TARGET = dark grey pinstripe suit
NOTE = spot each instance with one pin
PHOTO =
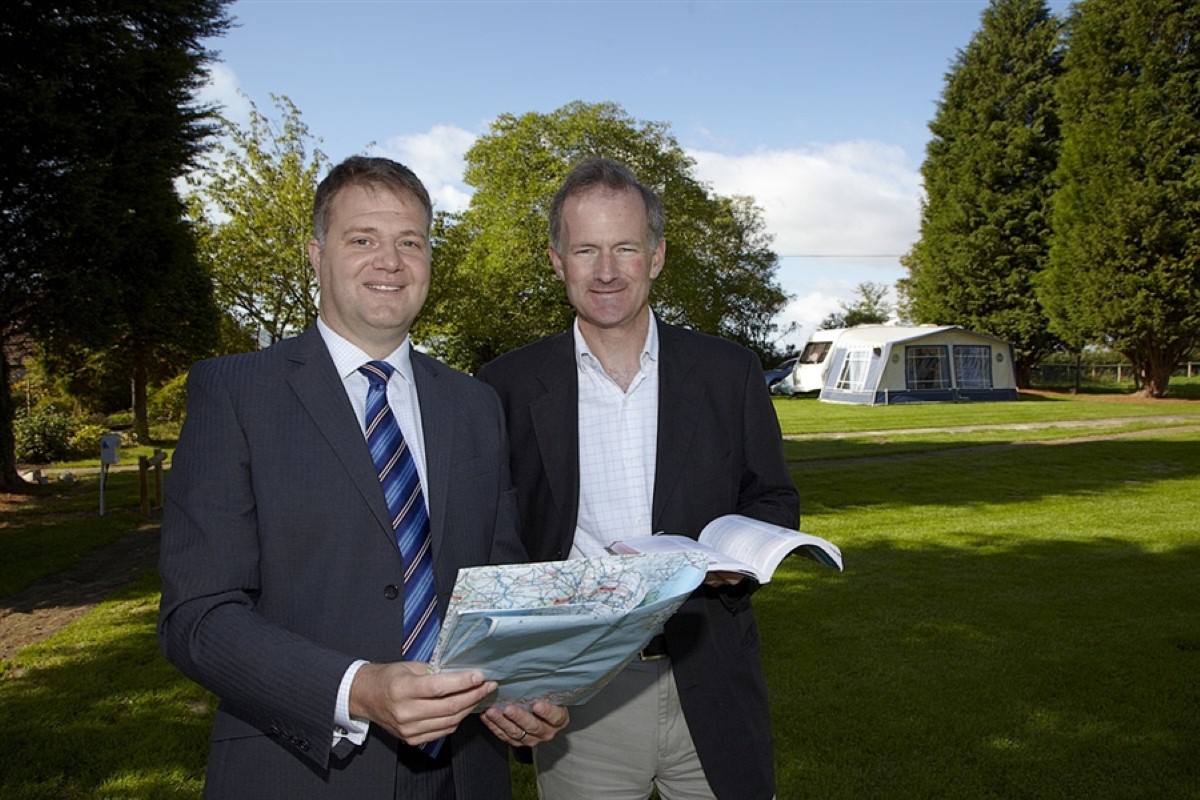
(279, 567)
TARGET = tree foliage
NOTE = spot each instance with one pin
(1125, 266)
(871, 308)
(98, 122)
(162, 319)
(985, 226)
(494, 288)
(252, 204)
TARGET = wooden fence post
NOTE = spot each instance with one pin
(144, 483)
(159, 457)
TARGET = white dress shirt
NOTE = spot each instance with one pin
(402, 397)
(618, 441)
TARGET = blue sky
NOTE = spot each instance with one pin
(817, 108)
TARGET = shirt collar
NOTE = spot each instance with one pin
(583, 353)
(348, 357)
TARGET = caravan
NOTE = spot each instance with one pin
(808, 375)
(890, 364)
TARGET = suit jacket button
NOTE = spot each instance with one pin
(391, 591)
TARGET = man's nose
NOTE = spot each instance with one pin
(387, 258)
(606, 267)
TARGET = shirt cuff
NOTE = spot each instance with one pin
(346, 727)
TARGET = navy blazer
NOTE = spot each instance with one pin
(279, 566)
(719, 452)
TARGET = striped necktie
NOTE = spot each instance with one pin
(410, 519)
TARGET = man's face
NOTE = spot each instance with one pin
(374, 266)
(606, 259)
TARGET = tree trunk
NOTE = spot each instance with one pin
(141, 421)
(1153, 375)
(1023, 372)
(9, 479)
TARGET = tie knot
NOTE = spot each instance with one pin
(377, 372)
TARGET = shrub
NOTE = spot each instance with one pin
(42, 436)
(169, 402)
(120, 419)
(85, 441)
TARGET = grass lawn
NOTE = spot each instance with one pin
(96, 712)
(58, 523)
(1014, 626)
(807, 416)
(1013, 622)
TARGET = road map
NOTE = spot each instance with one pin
(560, 630)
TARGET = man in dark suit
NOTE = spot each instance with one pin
(284, 587)
(625, 426)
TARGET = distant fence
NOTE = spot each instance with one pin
(1058, 374)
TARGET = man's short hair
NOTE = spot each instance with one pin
(598, 172)
(367, 171)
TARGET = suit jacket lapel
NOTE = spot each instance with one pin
(555, 416)
(678, 416)
(319, 388)
(437, 426)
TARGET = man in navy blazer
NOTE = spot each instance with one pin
(626, 426)
(283, 585)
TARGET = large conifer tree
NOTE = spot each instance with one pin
(98, 123)
(985, 221)
(1125, 266)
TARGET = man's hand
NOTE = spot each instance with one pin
(412, 705)
(524, 728)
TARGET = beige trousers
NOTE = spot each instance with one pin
(626, 740)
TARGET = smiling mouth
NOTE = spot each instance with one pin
(382, 287)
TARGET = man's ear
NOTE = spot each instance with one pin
(658, 258)
(314, 257)
(556, 260)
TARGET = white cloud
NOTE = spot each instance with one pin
(807, 311)
(437, 158)
(847, 198)
(851, 199)
(223, 90)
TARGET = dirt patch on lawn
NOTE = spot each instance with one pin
(48, 606)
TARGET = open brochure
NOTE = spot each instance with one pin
(560, 630)
(734, 543)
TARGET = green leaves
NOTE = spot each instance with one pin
(253, 206)
(984, 225)
(1084, 235)
(494, 288)
(1125, 265)
(96, 261)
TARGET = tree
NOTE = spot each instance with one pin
(99, 122)
(1125, 266)
(494, 287)
(252, 203)
(871, 308)
(162, 319)
(985, 226)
